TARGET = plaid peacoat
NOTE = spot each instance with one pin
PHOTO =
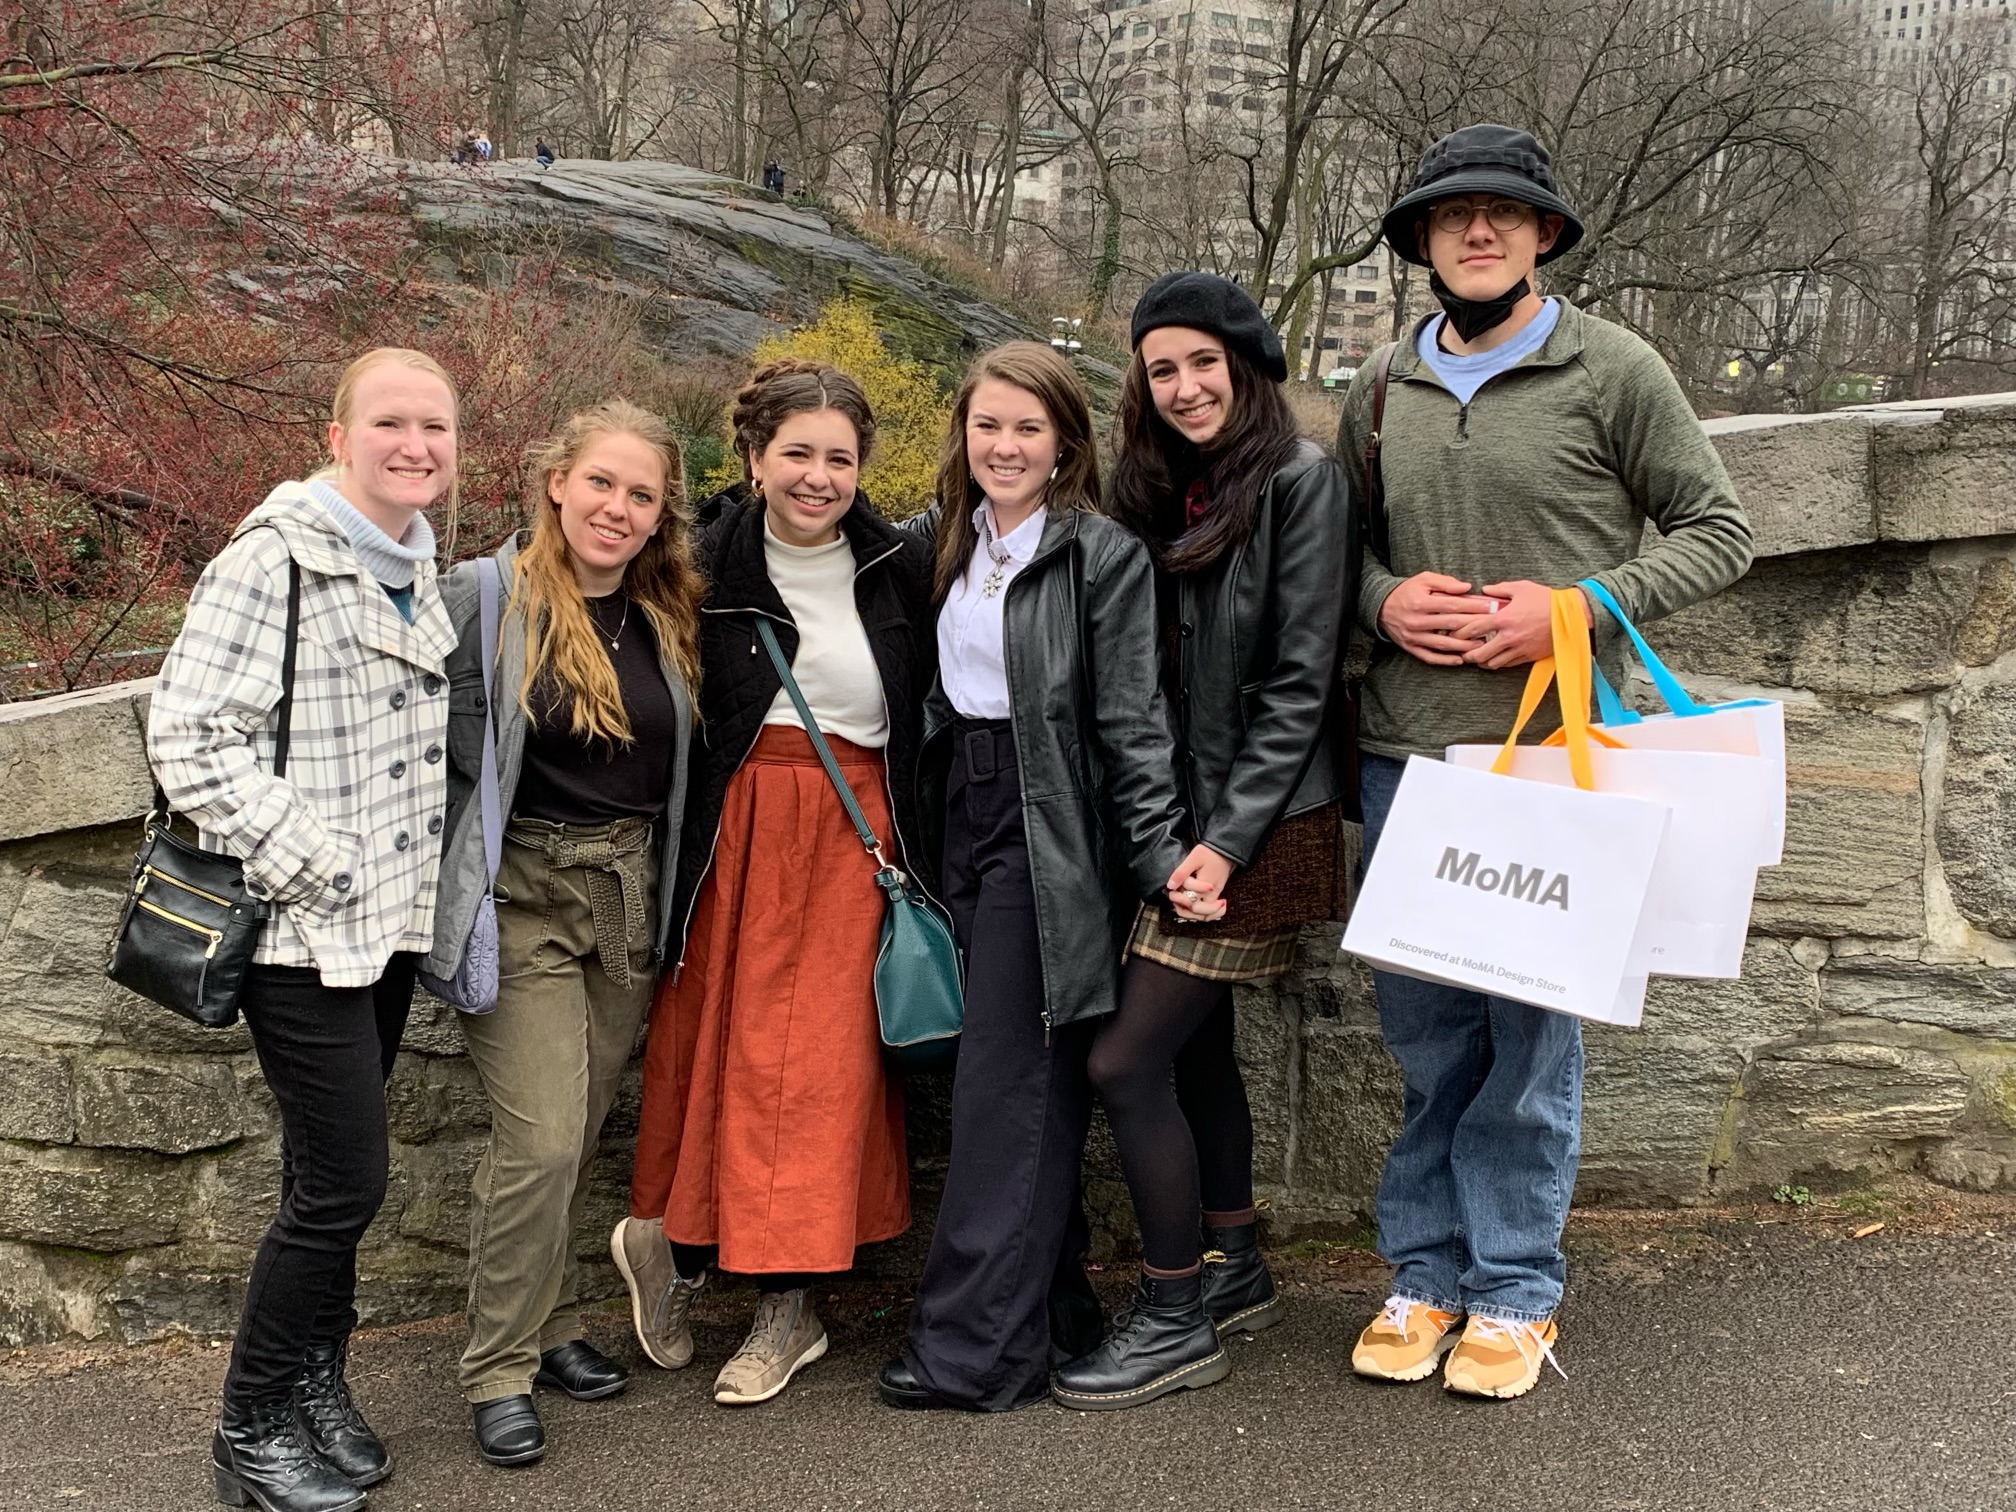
(348, 844)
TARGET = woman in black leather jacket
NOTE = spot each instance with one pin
(1250, 527)
(1046, 755)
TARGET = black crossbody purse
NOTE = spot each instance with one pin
(189, 929)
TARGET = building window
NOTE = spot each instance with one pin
(1218, 74)
(1362, 320)
(1161, 49)
(1225, 20)
(1365, 296)
(1142, 28)
(1220, 45)
(1251, 102)
(1256, 50)
(1368, 270)
(1259, 24)
(1214, 98)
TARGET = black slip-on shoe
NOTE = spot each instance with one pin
(582, 1371)
(509, 1432)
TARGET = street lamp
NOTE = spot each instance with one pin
(1064, 334)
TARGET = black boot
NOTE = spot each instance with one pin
(334, 1425)
(261, 1457)
(1163, 1343)
(1076, 1319)
(582, 1371)
(1239, 1293)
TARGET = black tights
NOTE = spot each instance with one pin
(1164, 1067)
(691, 1259)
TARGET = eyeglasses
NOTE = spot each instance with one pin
(1455, 216)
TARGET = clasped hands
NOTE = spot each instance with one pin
(1196, 885)
(1445, 622)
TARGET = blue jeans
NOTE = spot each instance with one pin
(1477, 1186)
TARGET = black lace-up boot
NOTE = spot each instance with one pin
(1163, 1343)
(261, 1457)
(335, 1427)
(1239, 1292)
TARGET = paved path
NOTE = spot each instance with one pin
(1717, 1364)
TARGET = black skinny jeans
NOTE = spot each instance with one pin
(325, 1053)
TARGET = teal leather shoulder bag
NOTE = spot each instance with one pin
(919, 994)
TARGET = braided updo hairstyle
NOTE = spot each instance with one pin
(792, 386)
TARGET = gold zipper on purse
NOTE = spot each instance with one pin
(155, 871)
(216, 936)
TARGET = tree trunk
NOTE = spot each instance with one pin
(1011, 151)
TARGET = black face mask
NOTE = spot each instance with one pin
(1473, 317)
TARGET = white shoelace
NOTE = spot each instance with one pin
(1395, 1314)
(1497, 1330)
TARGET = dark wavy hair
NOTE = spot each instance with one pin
(1156, 465)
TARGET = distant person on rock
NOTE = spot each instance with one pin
(1525, 445)
(482, 149)
(543, 154)
(342, 847)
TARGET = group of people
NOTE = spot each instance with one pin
(1097, 718)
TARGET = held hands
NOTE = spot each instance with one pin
(1436, 618)
(1522, 631)
(1194, 887)
(1440, 620)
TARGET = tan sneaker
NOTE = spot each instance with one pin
(1500, 1358)
(661, 1300)
(786, 1336)
(1405, 1342)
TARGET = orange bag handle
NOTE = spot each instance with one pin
(1570, 667)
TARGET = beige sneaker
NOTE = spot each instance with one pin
(661, 1300)
(786, 1336)
(1500, 1358)
(1405, 1342)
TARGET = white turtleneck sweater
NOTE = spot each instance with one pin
(834, 668)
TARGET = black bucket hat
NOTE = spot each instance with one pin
(1482, 159)
(1206, 302)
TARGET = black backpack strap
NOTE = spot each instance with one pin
(283, 735)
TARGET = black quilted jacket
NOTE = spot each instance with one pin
(892, 588)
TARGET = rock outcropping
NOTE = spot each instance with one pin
(722, 263)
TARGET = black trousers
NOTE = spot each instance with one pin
(1011, 1222)
(325, 1053)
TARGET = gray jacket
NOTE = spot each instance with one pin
(462, 859)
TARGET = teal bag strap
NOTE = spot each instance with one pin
(1663, 680)
(886, 874)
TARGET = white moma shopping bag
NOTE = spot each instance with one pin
(1697, 904)
(1748, 727)
(1519, 889)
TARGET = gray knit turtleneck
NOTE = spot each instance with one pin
(391, 562)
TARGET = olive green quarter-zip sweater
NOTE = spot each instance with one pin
(1548, 474)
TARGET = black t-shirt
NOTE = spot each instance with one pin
(568, 780)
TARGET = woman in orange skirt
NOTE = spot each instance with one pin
(771, 1142)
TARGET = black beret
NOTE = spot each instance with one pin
(1206, 302)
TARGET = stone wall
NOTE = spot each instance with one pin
(1874, 1029)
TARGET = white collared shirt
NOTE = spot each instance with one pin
(971, 657)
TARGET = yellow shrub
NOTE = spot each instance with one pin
(910, 412)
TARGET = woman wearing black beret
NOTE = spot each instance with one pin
(1250, 528)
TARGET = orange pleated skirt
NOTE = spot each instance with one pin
(770, 1125)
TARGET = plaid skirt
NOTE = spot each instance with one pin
(1215, 958)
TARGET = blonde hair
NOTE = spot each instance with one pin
(344, 406)
(663, 580)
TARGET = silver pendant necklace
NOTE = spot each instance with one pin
(990, 586)
(616, 640)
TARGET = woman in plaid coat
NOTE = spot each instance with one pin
(346, 849)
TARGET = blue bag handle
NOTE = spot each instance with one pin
(1668, 686)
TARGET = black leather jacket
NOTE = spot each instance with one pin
(1259, 635)
(892, 589)
(1092, 738)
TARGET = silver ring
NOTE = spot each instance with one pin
(1193, 895)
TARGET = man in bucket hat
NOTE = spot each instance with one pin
(1524, 444)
